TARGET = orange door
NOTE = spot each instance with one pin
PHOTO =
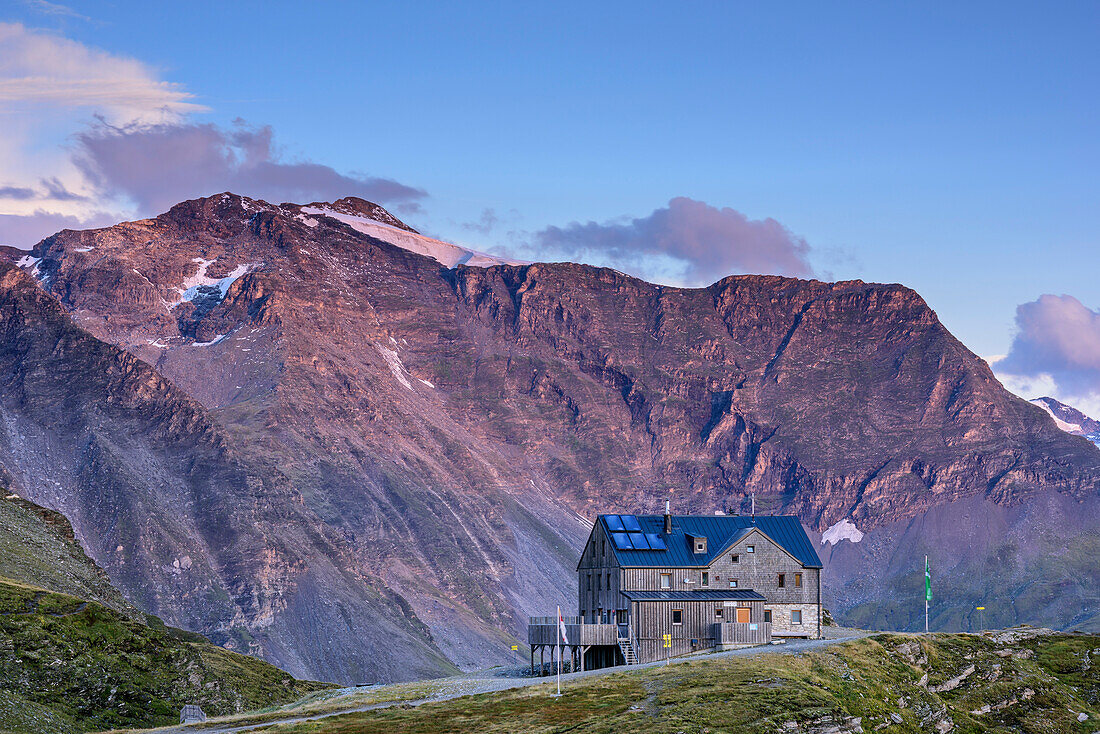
(743, 614)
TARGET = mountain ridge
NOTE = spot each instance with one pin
(450, 430)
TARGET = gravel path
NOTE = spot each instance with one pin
(497, 679)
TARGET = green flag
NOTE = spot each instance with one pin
(927, 582)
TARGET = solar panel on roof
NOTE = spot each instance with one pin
(630, 522)
(614, 523)
(622, 541)
(656, 542)
(638, 540)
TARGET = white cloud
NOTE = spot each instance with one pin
(39, 69)
(1055, 352)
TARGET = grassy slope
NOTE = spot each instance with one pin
(38, 547)
(75, 655)
(1037, 685)
(71, 665)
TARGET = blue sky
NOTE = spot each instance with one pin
(949, 148)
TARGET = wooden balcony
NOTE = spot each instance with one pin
(742, 633)
(544, 631)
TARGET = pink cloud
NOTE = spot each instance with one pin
(1057, 336)
(703, 242)
(157, 166)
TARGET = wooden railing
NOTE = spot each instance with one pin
(544, 631)
(742, 633)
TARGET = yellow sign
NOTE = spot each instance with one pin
(515, 647)
(981, 609)
(668, 640)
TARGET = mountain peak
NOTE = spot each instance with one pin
(1070, 419)
(356, 207)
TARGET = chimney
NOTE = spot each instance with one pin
(668, 519)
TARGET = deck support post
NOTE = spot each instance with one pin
(542, 659)
(584, 651)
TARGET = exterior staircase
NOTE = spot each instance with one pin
(627, 647)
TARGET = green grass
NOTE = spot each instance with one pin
(71, 665)
(1032, 686)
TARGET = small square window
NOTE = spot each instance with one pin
(750, 549)
(677, 616)
(796, 616)
(718, 612)
(735, 558)
(705, 579)
(666, 581)
(733, 583)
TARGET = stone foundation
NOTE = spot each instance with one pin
(781, 620)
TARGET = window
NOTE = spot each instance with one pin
(735, 558)
(798, 580)
(700, 545)
(733, 583)
(768, 615)
(666, 581)
(677, 616)
(782, 580)
(706, 579)
(750, 548)
(796, 616)
(718, 613)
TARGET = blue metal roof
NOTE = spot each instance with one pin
(721, 531)
(709, 595)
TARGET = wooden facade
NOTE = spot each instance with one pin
(702, 581)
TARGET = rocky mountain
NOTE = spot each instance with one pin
(1070, 420)
(373, 455)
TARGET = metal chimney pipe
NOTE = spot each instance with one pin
(668, 518)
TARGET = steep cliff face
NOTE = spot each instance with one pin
(179, 519)
(447, 430)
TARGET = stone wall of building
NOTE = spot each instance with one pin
(781, 620)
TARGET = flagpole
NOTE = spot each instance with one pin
(559, 650)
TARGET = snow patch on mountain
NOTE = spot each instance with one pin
(200, 284)
(395, 365)
(1074, 428)
(210, 343)
(446, 253)
(843, 530)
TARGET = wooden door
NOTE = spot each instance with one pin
(743, 614)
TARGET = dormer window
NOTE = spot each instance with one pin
(700, 545)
